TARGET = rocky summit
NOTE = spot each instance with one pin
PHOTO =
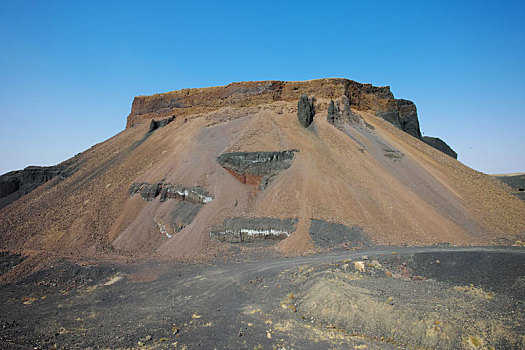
(286, 166)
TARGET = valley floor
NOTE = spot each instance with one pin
(381, 298)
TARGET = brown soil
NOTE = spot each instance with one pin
(247, 179)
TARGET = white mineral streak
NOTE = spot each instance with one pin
(206, 199)
(270, 232)
(184, 193)
(162, 228)
(200, 198)
(252, 233)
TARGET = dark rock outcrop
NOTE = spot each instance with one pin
(403, 115)
(340, 112)
(517, 183)
(328, 234)
(333, 116)
(150, 191)
(252, 93)
(191, 199)
(440, 145)
(18, 183)
(305, 110)
(256, 167)
(378, 100)
(156, 124)
(242, 230)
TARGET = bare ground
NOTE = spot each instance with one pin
(383, 298)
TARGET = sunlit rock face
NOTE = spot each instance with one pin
(243, 230)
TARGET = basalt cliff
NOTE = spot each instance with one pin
(292, 166)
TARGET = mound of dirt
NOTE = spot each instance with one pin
(232, 152)
(433, 300)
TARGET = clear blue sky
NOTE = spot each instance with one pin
(69, 69)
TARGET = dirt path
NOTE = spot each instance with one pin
(435, 297)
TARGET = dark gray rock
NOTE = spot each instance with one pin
(305, 110)
(18, 183)
(403, 115)
(333, 116)
(156, 124)
(517, 183)
(265, 164)
(150, 191)
(191, 199)
(243, 230)
(408, 117)
(440, 145)
(340, 112)
(328, 234)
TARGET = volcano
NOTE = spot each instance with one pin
(295, 167)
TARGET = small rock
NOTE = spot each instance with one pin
(359, 266)
(140, 344)
(148, 337)
(376, 264)
(364, 257)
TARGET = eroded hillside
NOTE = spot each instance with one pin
(235, 167)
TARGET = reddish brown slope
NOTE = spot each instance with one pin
(341, 176)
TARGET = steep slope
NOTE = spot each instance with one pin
(240, 168)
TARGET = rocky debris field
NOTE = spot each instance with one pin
(382, 298)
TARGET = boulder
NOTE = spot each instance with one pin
(305, 110)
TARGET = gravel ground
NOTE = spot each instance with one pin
(386, 298)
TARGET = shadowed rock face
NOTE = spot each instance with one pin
(261, 165)
(305, 110)
(517, 183)
(340, 112)
(156, 124)
(440, 145)
(241, 230)
(333, 115)
(150, 191)
(402, 114)
(15, 184)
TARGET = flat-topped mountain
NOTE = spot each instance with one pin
(291, 166)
